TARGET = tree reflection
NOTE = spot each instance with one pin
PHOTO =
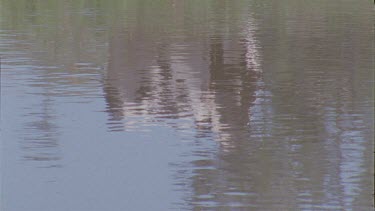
(211, 79)
(275, 121)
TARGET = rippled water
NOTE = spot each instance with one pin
(187, 105)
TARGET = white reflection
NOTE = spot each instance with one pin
(252, 53)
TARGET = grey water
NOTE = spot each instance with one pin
(187, 105)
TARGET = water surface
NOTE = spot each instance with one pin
(187, 105)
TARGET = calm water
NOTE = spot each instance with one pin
(187, 105)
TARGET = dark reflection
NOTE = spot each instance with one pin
(165, 74)
(41, 138)
(319, 106)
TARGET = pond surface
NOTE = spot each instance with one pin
(187, 105)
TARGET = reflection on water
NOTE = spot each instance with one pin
(214, 105)
(211, 81)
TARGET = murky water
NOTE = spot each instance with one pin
(187, 105)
